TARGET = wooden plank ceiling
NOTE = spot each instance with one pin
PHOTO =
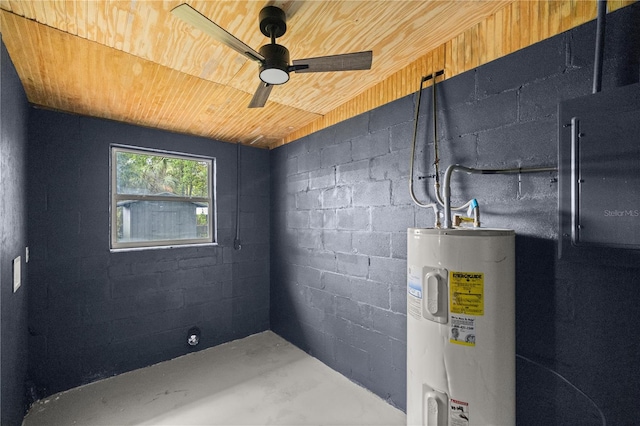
(133, 61)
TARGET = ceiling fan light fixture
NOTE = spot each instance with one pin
(274, 76)
(275, 67)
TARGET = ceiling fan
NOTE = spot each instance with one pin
(273, 58)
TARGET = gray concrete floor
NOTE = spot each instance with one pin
(259, 380)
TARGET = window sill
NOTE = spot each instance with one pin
(176, 246)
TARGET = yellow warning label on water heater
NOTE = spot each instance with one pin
(466, 293)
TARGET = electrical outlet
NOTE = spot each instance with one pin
(17, 275)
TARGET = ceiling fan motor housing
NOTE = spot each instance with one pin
(273, 22)
(275, 68)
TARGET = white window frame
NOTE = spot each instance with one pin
(115, 198)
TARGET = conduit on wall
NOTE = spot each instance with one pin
(237, 244)
(443, 200)
(599, 53)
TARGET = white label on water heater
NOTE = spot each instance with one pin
(462, 330)
(414, 292)
(414, 282)
(458, 413)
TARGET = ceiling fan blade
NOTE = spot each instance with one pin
(346, 62)
(201, 22)
(261, 95)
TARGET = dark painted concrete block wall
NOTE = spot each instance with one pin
(340, 209)
(93, 313)
(13, 240)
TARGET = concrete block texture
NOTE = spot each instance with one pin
(371, 145)
(502, 114)
(339, 196)
(372, 193)
(323, 178)
(308, 161)
(353, 172)
(334, 155)
(354, 219)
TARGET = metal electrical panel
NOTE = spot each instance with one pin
(599, 159)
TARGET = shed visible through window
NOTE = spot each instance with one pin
(161, 199)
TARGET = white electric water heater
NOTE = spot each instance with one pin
(460, 327)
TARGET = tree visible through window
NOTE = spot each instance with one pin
(160, 199)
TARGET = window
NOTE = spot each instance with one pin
(161, 199)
